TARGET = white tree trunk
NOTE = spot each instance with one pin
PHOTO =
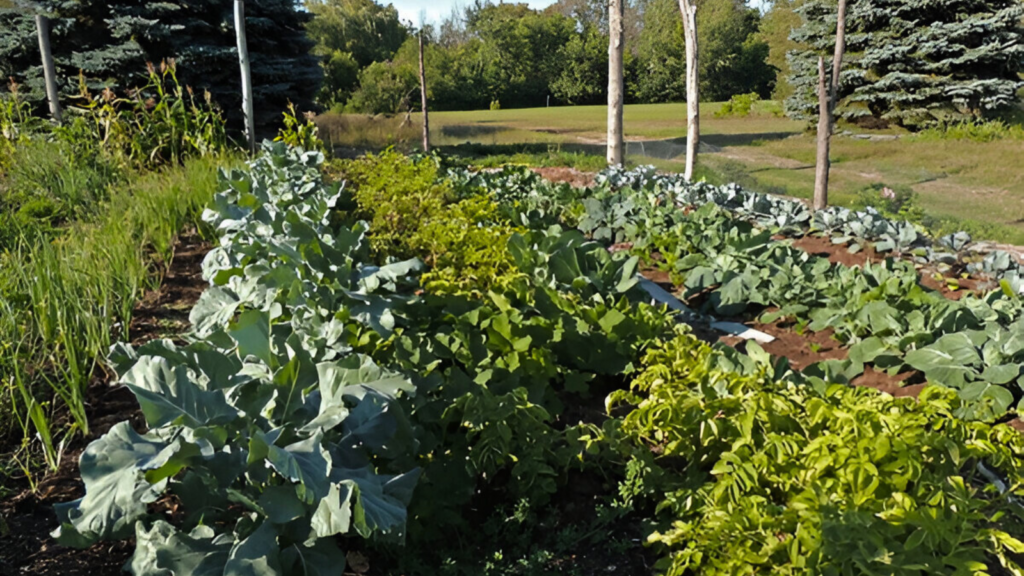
(616, 50)
(837, 61)
(824, 135)
(688, 10)
(49, 71)
(243, 60)
(828, 99)
(423, 97)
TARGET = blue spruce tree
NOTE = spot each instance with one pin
(913, 63)
(110, 42)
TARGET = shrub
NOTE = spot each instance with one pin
(763, 474)
(740, 105)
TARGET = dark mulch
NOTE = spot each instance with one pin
(802, 349)
(837, 253)
(28, 518)
(899, 385)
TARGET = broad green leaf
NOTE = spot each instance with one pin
(867, 350)
(281, 504)
(167, 395)
(381, 501)
(116, 494)
(322, 559)
(1002, 374)
(252, 333)
(257, 555)
(334, 513)
(214, 310)
(304, 462)
(162, 550)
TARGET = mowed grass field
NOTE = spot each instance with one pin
(978, 183)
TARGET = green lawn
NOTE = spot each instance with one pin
(979, 183)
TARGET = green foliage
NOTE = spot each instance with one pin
(740, 105)
(763, 475)
(491, 53)
(913, 64)
(66, 294)
(289, 417)
(385, 88)
(299, 134)
(776, 26)
(989, 131)
(398, 197)
(732, 57)
(59, 173)
(717, 245)
(351, 35)
(273, 440)
(16, 124)
(466, 248)
(584, 78)
(159, 123)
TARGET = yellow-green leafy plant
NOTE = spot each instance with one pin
(466, 248)
(761, 475)
(397, 196)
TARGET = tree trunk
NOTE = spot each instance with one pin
(837, 61)
(688, 11)
(828, 99)
(616, 49)
(49, 71)
(243, 60)
(423, 97)
(824, 134)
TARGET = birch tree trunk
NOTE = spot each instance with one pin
(824, 135)
(828, 98)
(243, 61)
(688, 10)
(616, 49)
(49, 71)
(837, 61)
(423, 97)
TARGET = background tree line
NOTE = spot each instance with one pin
(910, 63)
(514, 56)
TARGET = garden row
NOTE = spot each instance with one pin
(724, 248)
(89, 213)
(425, 357)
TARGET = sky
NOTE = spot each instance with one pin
(438, 9)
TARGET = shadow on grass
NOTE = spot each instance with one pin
(755, 139)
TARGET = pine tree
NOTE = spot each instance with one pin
(914, 63)
(110, 42)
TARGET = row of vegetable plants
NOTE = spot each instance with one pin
(721, 245)
(402, 356)
(322, 388)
